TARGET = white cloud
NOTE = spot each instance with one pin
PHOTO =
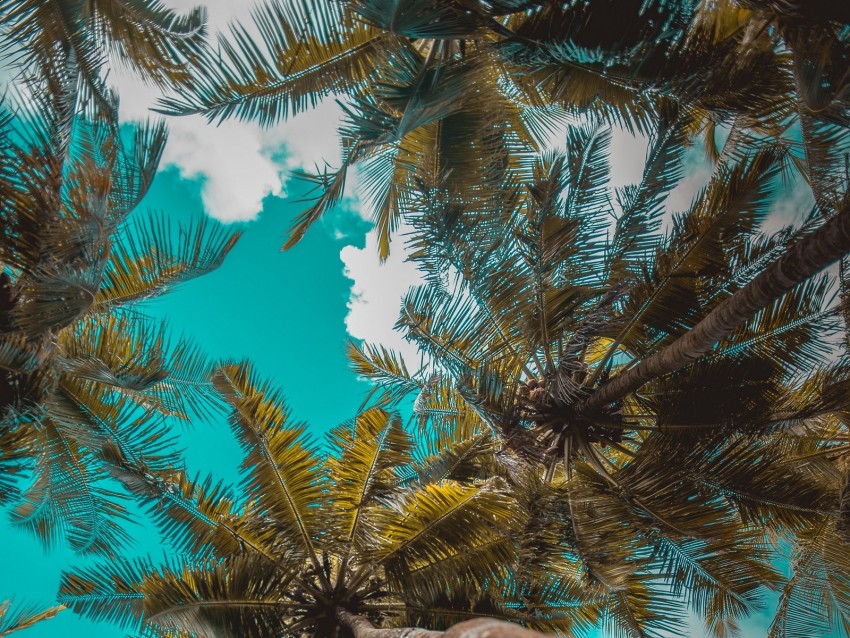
(236, 169)
(373, 307)
(238, 163)
(628, 156)
(311, 138)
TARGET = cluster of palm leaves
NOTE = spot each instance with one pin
(468, 88)
(625, 413)
(376, 526)
(80, 365)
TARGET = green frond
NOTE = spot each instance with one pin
(138, 359)
(150, 38)
(17, 617)
(67, 498)
(115, 420)
(306, 51)
(150, 256)
(721, 578)
(437, 519)
(283, 470)
(383, 367)
(639, 611)
(365, 474)
(425, 19)
(110, 593)
(144, 35)
(825, 145)
(199, 517)
(699, 246)
(230, 598)
(55, 297)
(467, 572)
(461, 460)
(635, 234)
(814, 600)
(16, 444)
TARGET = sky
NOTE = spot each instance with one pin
(290, 312)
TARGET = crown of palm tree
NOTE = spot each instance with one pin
(370, 533)
(79, 364)
(537, 305)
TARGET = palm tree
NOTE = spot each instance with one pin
(80, 364)
(144, 35)
(813, 37)
(584, 337)
(471, 88)
(360, 541)
(14, 619)
(816, 34)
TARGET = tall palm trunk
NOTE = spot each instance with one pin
(807, 257)
(477, 628)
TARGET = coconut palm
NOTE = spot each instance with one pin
(16, 618)
(359, 541)
(815, 37)
(145, 35)
(818, 35)
(472, 87)
(662, 370)
(80, 364)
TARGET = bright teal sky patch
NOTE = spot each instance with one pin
(284, 311)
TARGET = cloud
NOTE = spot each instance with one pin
(238, 163)
(628, 156)
(376, 293)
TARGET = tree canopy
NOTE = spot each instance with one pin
(624, 414)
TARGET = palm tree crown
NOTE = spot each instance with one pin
(79, 364)
(545, 299)
(372, 533)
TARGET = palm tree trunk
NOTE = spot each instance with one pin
(478, 628)
(807, 257)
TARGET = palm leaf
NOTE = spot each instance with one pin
(365, 472)
(306, 50)
(20, 617)
(283, 471)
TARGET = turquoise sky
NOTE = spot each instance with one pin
(285, 311)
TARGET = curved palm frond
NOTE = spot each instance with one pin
(18, 617)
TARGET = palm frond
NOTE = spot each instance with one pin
(383, 367)
(237, 595)
(108, 593)
(306, 51)
(283, 470)
(18, 617)
(435, 520)
(68, 497)
(814, 598)
(150, 257)
(371, 451)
